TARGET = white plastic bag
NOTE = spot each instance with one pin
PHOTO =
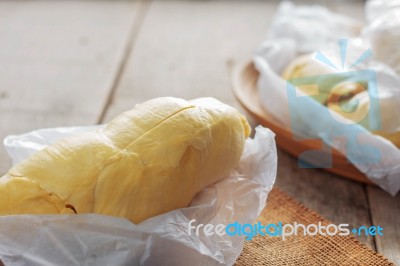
(377, 8)
(375, 156)
(91, 239)
(304, 23)
(383, 31)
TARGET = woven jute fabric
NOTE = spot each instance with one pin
(302, 250)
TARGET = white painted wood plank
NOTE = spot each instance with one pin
(58, 60)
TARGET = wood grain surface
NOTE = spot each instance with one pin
(82, 62)
(58, 60)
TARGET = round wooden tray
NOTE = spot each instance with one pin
(245, 90)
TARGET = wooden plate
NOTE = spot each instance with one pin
(245, 90)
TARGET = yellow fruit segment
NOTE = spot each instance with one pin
(343, 94)
(147, 161)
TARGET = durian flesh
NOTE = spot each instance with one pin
(346, 95)
(147, 161)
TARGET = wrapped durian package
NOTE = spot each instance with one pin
(331, 85)
(127, 192)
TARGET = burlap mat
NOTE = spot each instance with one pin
(303, 250)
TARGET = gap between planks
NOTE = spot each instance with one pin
(365, 186)
(143, 7)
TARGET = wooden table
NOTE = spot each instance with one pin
(65, 63)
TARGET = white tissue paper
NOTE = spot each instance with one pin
(375, 156)
(92, 239)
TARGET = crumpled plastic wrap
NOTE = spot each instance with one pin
(377, 8)
(383, 31)
(304, 23)
(92, 239)
(375, 156)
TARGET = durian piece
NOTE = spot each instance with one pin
(345, 94)
(351, 101)
(306, 66)
(146, 161)
(326, 82)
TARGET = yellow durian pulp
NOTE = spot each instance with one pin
(344, 94)
(146, 161)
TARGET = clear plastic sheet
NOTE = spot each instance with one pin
(375, 156)
(91, 239)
